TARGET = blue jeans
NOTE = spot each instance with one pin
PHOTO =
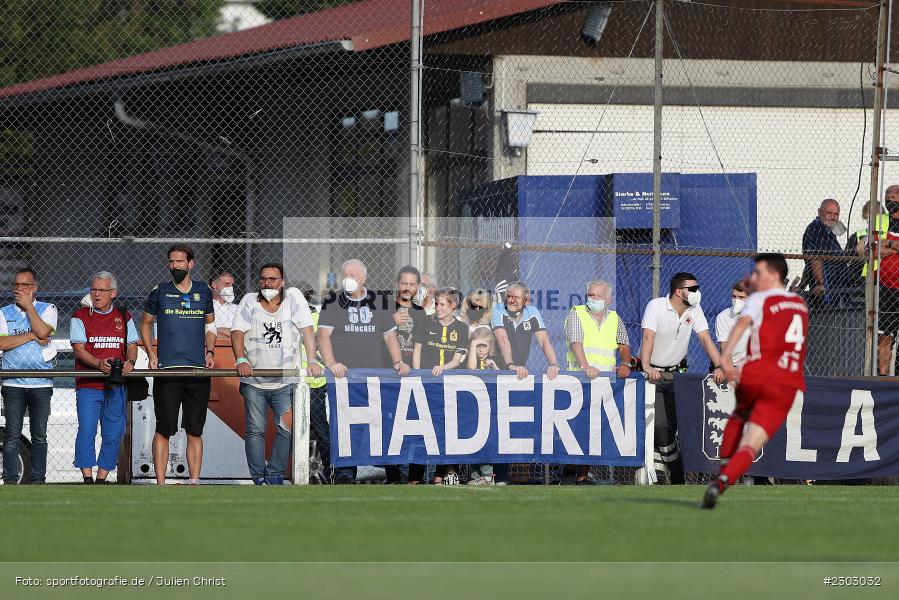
(108, 408)
(256, 402)
(15, 401)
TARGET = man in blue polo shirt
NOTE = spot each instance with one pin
(515, 324)
(185, 337)
(25, 329)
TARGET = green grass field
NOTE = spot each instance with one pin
(396, 524)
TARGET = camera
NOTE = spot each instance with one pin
(115, 373)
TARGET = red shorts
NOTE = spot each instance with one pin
(765, 404)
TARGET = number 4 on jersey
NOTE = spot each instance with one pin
(795, 333)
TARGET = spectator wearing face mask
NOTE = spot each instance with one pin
(357, 331)
(595, 334)
(886, 246)
(726, 320)
(223, 302)
(667, 324)
(476, 310)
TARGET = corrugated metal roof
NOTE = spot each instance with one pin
(365, 25)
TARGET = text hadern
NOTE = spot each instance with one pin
(600, 401)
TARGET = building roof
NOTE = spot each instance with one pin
(360, 26)
(364, 25)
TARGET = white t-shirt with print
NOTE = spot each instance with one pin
(272, 340)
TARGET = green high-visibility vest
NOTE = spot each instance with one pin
(600, 343)
(313, 382)
(881, 226)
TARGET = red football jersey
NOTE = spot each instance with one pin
(778, 341)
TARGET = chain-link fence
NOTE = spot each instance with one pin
(256, 130)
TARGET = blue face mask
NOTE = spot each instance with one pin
(596, 305)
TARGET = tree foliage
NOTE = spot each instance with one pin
(45, 37)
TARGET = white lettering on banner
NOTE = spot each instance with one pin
(358, 415)
(795, 451)
(557, 420)
(623, 427)
(452, 386)
(600, 390)
(506, 414)
(861, 404)
(411, 388)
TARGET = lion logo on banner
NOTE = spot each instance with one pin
(718, 402)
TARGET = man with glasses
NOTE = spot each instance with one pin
(186, 339)
(667, 324)
(25, 331)
(267, 332)
(100, 334)
(515, 323)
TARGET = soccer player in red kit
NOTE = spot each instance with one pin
(772, 375)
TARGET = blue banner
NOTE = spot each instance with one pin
(378, 418)
(839, 429)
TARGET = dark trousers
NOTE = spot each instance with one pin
(319, 425)
(666, 429)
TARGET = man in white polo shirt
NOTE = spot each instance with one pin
(667, 323)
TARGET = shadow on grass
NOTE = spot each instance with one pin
(674, 502)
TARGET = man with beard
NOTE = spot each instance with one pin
(186, 337)
(820, 239)
(267, 332)
(406, 314)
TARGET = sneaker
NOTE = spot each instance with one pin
(481, 481)
(710, 498)
(259, 481)
(275, 480)
(451, 479)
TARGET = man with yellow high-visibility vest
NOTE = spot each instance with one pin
(318, 413)
(887, 246)
(594, 333)
(859, 239)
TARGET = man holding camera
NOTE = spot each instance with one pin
(104, 339)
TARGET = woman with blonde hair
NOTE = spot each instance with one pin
(476, 309)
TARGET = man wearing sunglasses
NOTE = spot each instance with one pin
(667, 324)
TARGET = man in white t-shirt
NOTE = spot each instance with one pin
(726, 320)
(223, 302)
(667, 324)
(266, 334)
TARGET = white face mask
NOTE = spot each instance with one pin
(227, 294)
(738, 304)
(596, 306)
(350, 285)
(86, 301)
(269, 294)
(694, 298)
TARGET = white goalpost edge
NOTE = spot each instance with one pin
(301, 420)
(646, 475)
